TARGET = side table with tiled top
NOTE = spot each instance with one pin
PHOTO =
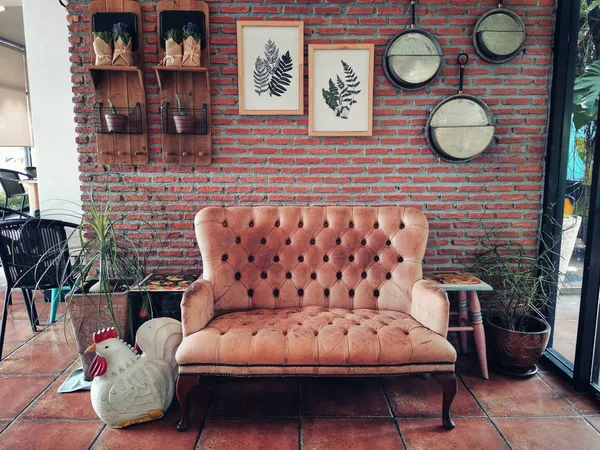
(466, 286)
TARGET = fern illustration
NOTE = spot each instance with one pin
(345, 92)
(261, 76)
(280, 78)
(271, 56)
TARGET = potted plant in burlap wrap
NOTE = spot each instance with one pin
(122, 54)
(191, 45)
(173, 49)
(103, 48)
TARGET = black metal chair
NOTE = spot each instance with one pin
(35, 256)
(10, 182)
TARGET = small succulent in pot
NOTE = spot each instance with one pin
(115, 122)
(103, 47)
(173, 48)
(184, 123)
(123, 54)
(191, 44)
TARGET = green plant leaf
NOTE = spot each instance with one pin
(586, 94)
(281, 78)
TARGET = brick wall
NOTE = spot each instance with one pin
(271, 160)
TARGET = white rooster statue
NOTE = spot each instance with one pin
(129, 388)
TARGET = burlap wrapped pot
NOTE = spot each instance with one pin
(173, 53)
(103, 51)
(122, 55)
(191, 52)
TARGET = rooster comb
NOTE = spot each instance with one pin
(104, 334)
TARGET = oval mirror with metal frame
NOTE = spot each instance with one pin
(412, 58)
(499, 35)
(462, 126)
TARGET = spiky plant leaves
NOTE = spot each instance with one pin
(261, 76)
(331, 96)
(281, 77)
(271, 56)
(351, 81)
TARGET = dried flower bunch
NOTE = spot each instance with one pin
(119, 31)
(191, 30)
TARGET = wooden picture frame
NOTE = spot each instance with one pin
(261, 46)
(333, 68)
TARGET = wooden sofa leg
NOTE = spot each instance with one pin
(185, 384)
(449, 388)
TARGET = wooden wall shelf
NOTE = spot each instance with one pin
(124, 86)
(192, 85)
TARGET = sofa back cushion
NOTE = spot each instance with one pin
(336, 257)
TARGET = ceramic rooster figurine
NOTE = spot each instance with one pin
(129, 388)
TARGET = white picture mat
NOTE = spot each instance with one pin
(327, 64)
(254, 39)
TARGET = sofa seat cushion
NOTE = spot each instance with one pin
(315, 340)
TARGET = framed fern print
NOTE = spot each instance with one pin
(340, 89)
(270, 67)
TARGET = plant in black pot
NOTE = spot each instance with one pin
(516, 332)
(184, 123)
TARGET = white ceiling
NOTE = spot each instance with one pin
(11, 23)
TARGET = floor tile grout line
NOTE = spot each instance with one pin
(205, 418)
(389, 405)
(484, 411)
(97, 436)
(559, 395)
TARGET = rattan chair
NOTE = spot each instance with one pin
(35, 256)
(10, 182)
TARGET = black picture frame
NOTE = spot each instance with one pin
(104, 21)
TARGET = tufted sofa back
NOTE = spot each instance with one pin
(336, 257)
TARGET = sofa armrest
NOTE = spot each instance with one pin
(197, 306)
(430, 306)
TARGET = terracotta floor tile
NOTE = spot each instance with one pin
(16, 393)
(594, 421)
(506, 396)
(7, 349)
(257, 434)
(38, 359)
(4, 424)
(355, 434)
(55, 333)
(428, 434)
(50, 435)
(18, 331)
(199, 400)
(579, 401)
(415, 397)
(255, 397)
(52, 405)
(343, 397)
(160, 434)
(548, 432)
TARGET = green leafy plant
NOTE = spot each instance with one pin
(174, 34)
(192, 30)
(585, 95)
(179, 111)
(106, 36)
(120, 31)
(341, 95)
(112, 107)
(522, 280)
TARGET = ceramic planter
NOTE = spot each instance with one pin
(116, 123)
(517, 352)
(86, 318)
(184, 124)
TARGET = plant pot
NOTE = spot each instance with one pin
(86, 318)
(116, 123)
(517, 352)
(184, 124)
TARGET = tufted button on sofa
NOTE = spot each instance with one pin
(313, 291)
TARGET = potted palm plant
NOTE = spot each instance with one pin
(115, 122)
(184, 123)
(108, 264)
(516, 332)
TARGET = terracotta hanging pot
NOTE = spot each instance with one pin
(184, 124)
(116, 123)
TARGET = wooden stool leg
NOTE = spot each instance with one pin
(463, 319)
(478, 332)
(185, 384)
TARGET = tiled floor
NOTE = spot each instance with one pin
(541, 412)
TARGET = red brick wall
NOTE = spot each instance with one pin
(271, 160)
